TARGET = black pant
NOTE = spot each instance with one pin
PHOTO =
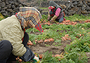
(6, 48)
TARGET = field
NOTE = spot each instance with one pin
(66, 42)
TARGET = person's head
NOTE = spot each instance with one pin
(52, 3)
(29, 18)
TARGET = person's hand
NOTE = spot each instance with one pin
(18, 59)
(52, 21)
(29, 43)
(36, 59)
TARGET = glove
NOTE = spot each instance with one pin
(53, 18)
(36, 59)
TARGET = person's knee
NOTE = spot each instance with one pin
(7, 44)
(5, 49)
(60, 20)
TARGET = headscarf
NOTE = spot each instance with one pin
(30, 14)
(52, 3)
(51, 7)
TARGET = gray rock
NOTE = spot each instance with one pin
(3, 4)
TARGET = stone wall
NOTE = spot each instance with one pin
(78, 7)
(46, 4)
(73, 7)
(10, 7)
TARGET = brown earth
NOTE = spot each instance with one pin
(43, 47)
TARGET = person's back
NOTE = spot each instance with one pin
(7, 24)
(9, 21)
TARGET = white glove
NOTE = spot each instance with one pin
(36, 58)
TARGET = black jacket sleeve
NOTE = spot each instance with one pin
(29, 55)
